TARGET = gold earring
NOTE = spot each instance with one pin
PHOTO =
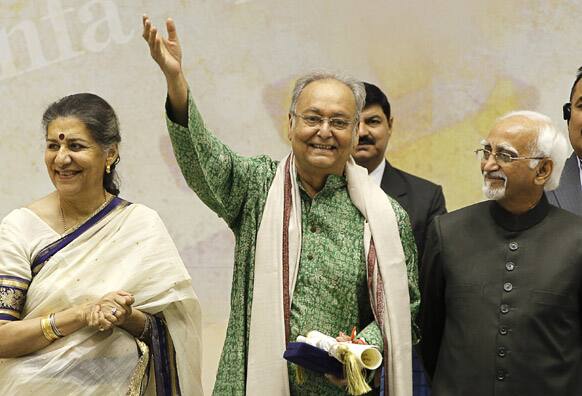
(108, 169)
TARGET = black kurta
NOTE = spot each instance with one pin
(502, 302)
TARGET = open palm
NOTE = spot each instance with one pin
(167, 52)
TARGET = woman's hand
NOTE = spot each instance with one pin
(89, 315)
(113, 309)
(167, 52)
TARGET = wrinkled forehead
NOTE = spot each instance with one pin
(517, 134)
(327, 96)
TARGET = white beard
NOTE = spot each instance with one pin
(494, 193)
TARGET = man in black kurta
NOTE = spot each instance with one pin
(501, 279)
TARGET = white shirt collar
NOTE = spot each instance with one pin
(579, 169)
(377, 173)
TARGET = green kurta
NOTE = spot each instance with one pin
(331, 290)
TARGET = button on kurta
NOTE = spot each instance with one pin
(513, 246)
(501, 374)
(501, 351)
(507, 287)
(510, 266)
(504, 308)
(503, 330)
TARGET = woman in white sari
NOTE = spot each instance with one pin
(94, 298)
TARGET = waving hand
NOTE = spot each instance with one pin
(167, 53)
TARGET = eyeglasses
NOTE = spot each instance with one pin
(314, 120)
(483, 155)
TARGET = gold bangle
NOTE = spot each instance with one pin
(47, 331)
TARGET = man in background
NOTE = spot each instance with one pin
(420, 198)
(568, 195)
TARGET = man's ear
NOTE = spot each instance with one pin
(290, 127)
(544, 171)
(390, 123)
(355, 137)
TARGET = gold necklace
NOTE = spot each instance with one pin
(63, 219)
(66, 229)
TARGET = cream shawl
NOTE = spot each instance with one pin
(387, 280)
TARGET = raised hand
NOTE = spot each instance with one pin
(168, 55)
(167, 52)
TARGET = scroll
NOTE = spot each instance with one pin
(322, 353)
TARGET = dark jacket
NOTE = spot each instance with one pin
(502, 302)
(568, 195)
(421, 199)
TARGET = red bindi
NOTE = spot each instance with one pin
(61, 136)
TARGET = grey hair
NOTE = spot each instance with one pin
(356, 86)
(549, 143)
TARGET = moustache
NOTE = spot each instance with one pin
(496, 174)
(366, 140)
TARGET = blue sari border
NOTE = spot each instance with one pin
(45, 254)
(8, 317)
(164, 359)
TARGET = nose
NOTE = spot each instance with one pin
(324, 129)
(63, 157)
(490, 164)
(362, 131)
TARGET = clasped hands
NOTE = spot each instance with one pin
(113, 309)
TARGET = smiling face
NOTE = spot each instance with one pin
(75, 161)
(322, 150)
(513, 181)
(373, 134)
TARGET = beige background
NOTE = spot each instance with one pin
(449, 68)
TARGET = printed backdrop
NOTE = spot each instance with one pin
(449, 68)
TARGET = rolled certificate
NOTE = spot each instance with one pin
(368, 356)
(354, 357)
(318, 340)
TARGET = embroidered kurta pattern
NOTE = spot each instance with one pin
(331, 292)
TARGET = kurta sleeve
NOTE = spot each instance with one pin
(372, 335)
(220, 177)
(432, 313)
(15, 274)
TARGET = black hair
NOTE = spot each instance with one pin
(375, 96)
(578, 77)
(99, 118)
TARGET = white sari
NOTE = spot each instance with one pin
(127, 249)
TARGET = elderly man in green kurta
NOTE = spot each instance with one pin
(318, 245)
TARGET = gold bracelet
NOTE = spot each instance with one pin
(47, 331)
